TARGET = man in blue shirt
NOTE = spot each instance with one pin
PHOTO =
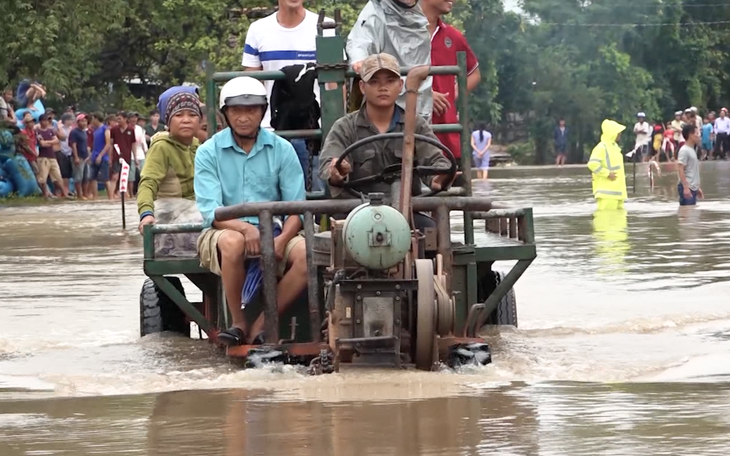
(245, 163)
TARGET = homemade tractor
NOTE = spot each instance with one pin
(380, 290)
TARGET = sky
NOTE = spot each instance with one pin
(511, 5)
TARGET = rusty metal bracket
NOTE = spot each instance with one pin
(173, 293)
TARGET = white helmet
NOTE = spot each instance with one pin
(243, 91)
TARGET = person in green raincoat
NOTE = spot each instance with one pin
(607, 168)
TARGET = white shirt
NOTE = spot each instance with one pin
(140, 143)
(722, 125)
(643, 133)
(65, 147)
(273, 47)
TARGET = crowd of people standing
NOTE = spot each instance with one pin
(70, 156)
(666, 139)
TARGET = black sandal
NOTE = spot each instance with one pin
(232, 337)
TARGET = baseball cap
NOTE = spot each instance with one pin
(81, 116)
(377, 62)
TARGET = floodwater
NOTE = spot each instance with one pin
(623, 346)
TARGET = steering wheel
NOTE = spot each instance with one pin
(393, 172)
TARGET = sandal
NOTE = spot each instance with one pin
(232, 337)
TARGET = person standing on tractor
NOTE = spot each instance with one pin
(381, 84)
(607, 168)
(245, 163)
(398, 28)
(446, 41)
(286, 37)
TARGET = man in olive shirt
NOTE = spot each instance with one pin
(381, 84)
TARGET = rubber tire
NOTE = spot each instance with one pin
(506, 311)
(158, 313)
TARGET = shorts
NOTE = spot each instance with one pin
(686, 201)
(99, 173)
(643, 150)
(481, 162)
(116, 167)
(208, 251)
(48, 167)
(65, 165)
(561, 150)
(81, 172)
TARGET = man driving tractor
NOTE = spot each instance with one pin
(381, 84)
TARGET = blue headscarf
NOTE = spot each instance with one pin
(167, 94)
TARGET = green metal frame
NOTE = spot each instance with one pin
(519, 242)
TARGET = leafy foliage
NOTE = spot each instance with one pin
(577, 59)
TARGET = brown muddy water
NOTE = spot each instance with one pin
(623, 346)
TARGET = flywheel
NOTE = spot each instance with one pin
(426, 315)
(445, 303)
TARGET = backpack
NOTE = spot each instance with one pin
(293, 104)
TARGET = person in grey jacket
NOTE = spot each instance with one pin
(398, 28)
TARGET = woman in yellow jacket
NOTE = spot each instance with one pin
(607, 167)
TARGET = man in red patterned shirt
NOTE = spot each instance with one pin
(446, 41)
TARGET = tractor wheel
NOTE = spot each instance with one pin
(158, 313)
(472, 354)
(425, 316)
(506, 311)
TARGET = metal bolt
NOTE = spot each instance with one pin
(359, 298)
(377, 293)
(359, 287)
(397, 287)
(397, 321)
(357, 321)
(397, 298)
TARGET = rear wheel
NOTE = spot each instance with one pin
(158, 313)
(506, 311)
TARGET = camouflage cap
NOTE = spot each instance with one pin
(377, 62)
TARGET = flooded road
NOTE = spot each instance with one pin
(623, 346)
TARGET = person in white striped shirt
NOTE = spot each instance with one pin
(286, 37)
